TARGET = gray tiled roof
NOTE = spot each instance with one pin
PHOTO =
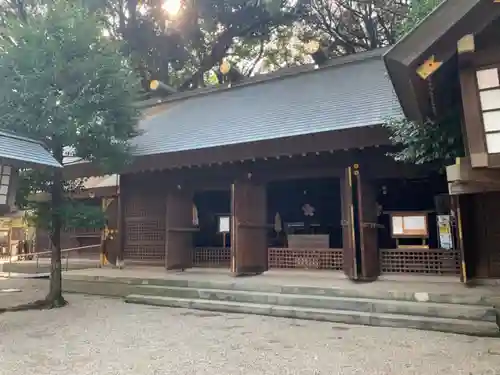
(353, 94)
(25, 150)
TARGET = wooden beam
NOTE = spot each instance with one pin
(464, 179)
(475, 139)
(463, 188)
(464, 172)
(466, 44)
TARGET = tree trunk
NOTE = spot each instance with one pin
(55, 298)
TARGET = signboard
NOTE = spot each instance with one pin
(444, 230)
(224, 224)
(409, 225)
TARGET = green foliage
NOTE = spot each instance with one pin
(437, 140)
(74, 214)
(350, 26)
(428, 142)
(419, 9)
(178, 49)
(67, 85)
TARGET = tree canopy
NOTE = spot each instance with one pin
(180, 42)
(66, 84)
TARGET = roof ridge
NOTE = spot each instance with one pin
(264, 78)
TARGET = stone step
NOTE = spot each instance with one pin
(470, 327)
(121, 286)
(428, 309)
(14, 275)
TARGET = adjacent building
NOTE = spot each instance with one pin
(452, 59)
(17, 153)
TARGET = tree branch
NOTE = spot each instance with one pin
(257, 59)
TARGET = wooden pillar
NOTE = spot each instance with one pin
(179, 230)
(111, 244)
(360, 230)
(351, 252)
(248, 228)
(465, 236)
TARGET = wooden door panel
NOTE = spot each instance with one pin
(490, 223)
(249, 229)
(359, 222)
(179, 230)
(368, 218)
(463, 211)
(348, 235)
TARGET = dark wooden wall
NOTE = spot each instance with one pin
(144, 195)
(486, 228)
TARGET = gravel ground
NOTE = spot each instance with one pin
(106, 336)
(31, 290)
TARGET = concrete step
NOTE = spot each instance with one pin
(428, 309)
(122, 286)
(470, 327)
(14, 275)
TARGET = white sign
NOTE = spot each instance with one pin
(415, 223)
(410, 225)
(397, 225)
(445, 235)
(224, 224)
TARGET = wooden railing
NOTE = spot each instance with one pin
(420, 261)
(331, 259)
(413, 261)
(212, 257)
(83, 231)
(328, 259)
(65, 255)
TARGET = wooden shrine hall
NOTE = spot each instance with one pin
(284, 170)
(451, 60)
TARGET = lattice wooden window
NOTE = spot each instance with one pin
(145, 252)
(212, 257)
(144, 227)
(145, 230)
(145, 206)
(421, 261)
(331, 259)
(488, 83)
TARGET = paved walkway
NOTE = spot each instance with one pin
(106, 336)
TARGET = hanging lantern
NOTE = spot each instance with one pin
(8, 187)
(312, 46)
(225, 67)
(154, 84)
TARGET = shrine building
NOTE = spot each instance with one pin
(289, 170)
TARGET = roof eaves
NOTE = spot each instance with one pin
(435, 36)
(47, 160)
(414, 43)
(8, 134)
